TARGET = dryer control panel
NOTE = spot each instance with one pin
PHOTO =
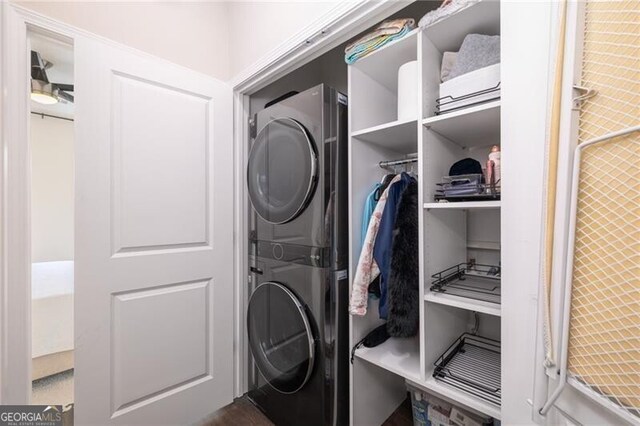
(292, 253)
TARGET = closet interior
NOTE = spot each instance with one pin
(456, 355)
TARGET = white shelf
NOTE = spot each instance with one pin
(463, 398)
(481, 18)
(399, 135)
(464, 303)
(483, 245)
(398, 355)
(464, 205)
(468, 127)
(382, 65)
(376, 134)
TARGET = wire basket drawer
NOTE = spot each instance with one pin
(472, 364)
(473, 281)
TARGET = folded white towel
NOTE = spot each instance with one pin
(449, 7)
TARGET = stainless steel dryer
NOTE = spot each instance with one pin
(295, 166)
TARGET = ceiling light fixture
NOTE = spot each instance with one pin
(43, 93)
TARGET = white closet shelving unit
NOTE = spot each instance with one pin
(450, 233)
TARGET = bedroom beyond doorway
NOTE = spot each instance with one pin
(52, 220)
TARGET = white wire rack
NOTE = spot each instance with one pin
(601, 311)
(600, 348)
(611, 67)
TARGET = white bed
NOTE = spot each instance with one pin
(52, 317)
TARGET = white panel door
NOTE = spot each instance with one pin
(154, 238)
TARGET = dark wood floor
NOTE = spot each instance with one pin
(242, 412)
(402, 416)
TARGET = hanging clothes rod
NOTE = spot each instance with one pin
(43, 115)
(384, 164)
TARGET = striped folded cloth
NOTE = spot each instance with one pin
(383, 34)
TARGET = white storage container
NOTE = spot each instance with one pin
(408, 91)
(470, 89)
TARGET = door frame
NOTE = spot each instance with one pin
(15, 203)
(339, 24)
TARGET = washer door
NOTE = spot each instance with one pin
(280, 337)
(282, 170)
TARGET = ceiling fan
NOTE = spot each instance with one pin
(42, 90)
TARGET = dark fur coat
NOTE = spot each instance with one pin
(404, 306)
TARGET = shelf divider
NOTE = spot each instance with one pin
(464, 205)
(463, 303)
(483, 245)
(469, 127)
(399, 135)
(401, 356)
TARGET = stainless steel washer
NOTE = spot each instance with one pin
(297, 323)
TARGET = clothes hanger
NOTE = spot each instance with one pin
(383, 185)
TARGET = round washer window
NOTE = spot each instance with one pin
(280, 337)
(281, 172)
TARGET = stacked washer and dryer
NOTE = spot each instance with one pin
(297, 320)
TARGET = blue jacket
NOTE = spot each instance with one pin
(384, 239)
(369, 207)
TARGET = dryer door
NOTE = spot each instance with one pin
(280, 337)
(282, 170)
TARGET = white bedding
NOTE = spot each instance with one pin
(51, 307)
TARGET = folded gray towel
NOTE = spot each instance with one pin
(477, 51)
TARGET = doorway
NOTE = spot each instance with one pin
(51, 143)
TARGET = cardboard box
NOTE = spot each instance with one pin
(459, 417)
(438, 416)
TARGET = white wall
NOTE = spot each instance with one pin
(52, 189)
(256, 27)
(191, 34)
(218, 38)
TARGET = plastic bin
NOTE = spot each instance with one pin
(432, 411)
(428, 409)
(419, 406)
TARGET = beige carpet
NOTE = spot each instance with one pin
(53, 390)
